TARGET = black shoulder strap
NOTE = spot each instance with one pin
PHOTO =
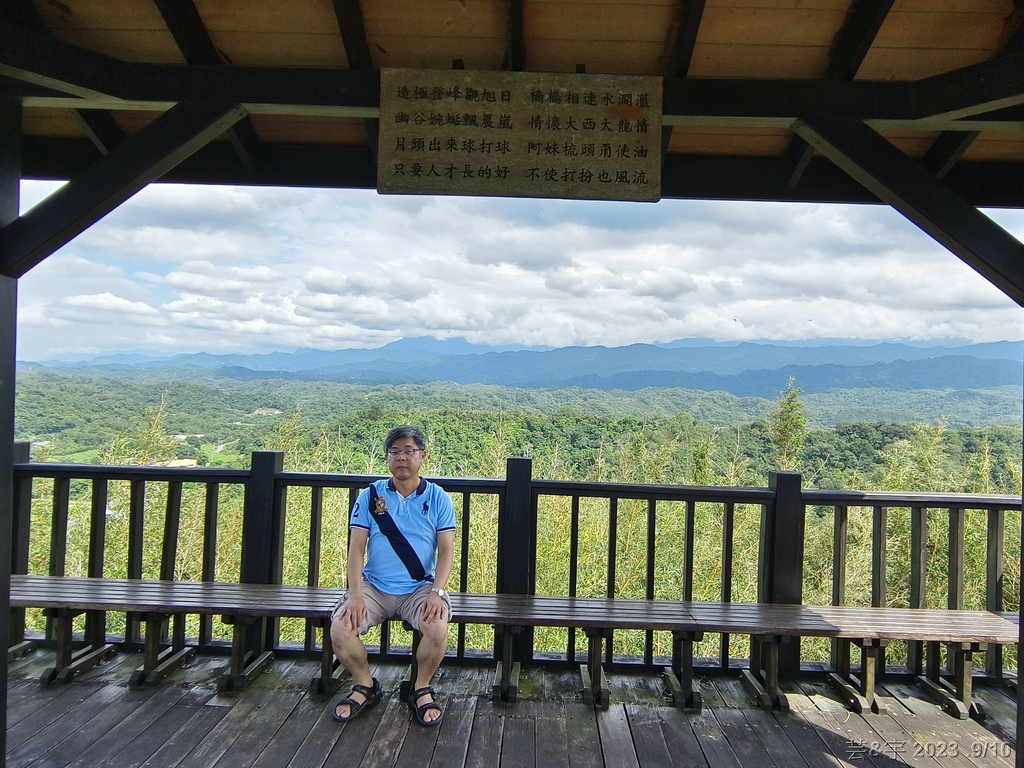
(399, 543)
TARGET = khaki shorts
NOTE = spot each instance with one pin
(381, 606)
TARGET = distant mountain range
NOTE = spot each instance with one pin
(744, 369)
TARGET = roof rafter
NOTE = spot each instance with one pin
(99, 81)
(194, 42)
(682, 55)
(349, 15)
(910, 189)
(854, 42)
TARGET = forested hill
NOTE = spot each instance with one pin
(741, 369)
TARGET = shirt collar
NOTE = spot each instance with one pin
(422, 486)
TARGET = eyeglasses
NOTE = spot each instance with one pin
(394, 453)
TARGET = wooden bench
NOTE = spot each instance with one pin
(155, 602)
(872, 629)
(598, 618)
(62, 598)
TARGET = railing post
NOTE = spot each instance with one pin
(517, 545)
(20, 536)
(263, 537)
(781, 556)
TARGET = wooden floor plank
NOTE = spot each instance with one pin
(934, 731)
(648, 736)
(616, 738)
(485, 743)
(186, 739)
(846, 733)
(553, 736)
(293, 731)
(519, 743)
(38, 735)
(275, 722)
(778, 748)
(264, 724)
(713, 741)
(452, 745)
(147, 741)
(680, 740)
(208, 751)
(584, 739)
(103, 737)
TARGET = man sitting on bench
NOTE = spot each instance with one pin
(404, 527)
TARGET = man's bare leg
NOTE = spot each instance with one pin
(351, 652)
(432, 647)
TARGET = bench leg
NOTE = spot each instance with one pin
(326, 682)
(506, 675)
(157, 662)
(18, 650)
(406, 686)
(595, 690)
(859, 693)
(70, 663)
(762, 678)
(679, 677)
(956, 698)
(245, 664)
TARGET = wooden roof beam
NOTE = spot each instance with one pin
(854, 42)
(349, 15)
(950, 146)
(111, 180)
(196, 46)
(991, 85)
(682, 55)
(906, 186)
(99, 126)
(517, 36)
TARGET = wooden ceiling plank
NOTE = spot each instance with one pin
(973, 90)
(110, 181)
(910, 189)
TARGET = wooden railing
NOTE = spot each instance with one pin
(638, 541)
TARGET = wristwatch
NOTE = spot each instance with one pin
(438, 591)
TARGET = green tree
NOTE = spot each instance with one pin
(787, 427)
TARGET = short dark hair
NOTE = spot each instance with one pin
(399, 433)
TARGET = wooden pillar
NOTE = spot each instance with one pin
(263, 537)
(10, 180)
(517, 545)
(781, 556)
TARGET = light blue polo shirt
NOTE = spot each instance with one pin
(419, 518)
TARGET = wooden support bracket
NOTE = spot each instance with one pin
(956, 697)
(762, 678)
(858, 693)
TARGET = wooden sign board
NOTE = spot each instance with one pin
(519, 134)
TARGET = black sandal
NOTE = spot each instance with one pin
(420, 711)
(371, 695)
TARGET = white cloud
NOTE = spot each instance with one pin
(192, 268)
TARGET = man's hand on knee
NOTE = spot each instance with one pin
(353, 612)
(434, 609)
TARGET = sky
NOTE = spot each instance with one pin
(182, 269)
